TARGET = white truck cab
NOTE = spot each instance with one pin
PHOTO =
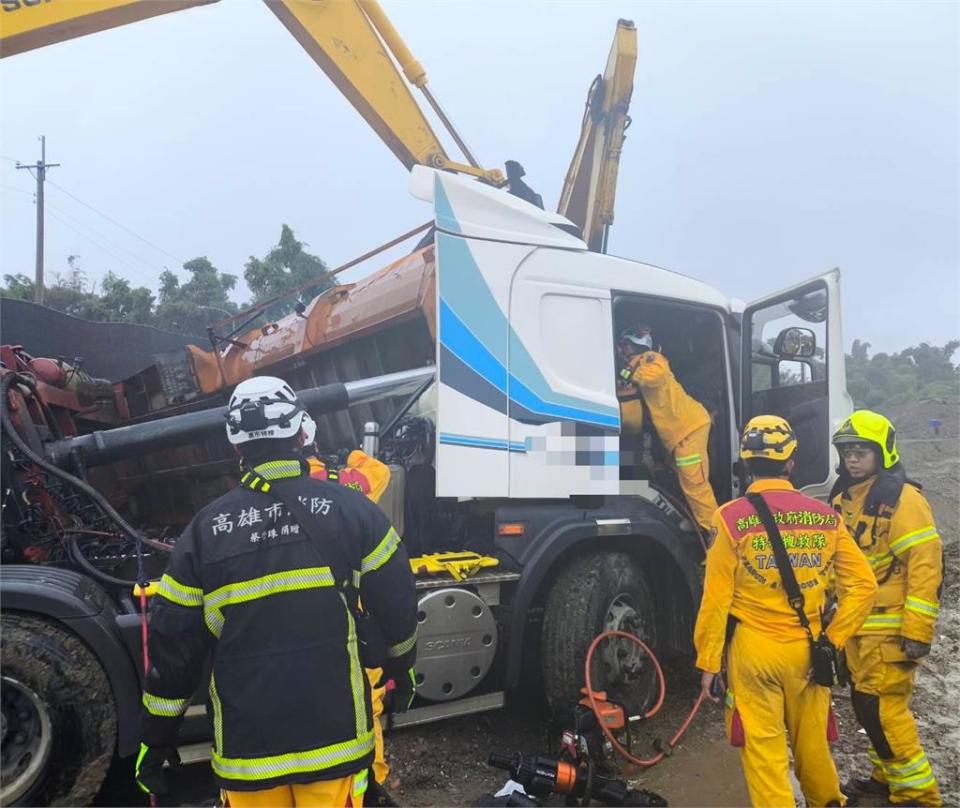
(528, 442)
(527, 320)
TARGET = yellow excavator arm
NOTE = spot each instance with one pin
(352, 41)
(590, 187)
(29, 24)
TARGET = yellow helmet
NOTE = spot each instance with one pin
(866, 426)
(768, 436)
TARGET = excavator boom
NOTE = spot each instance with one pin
(340, 38)
(352, 41)
(29, 24)
(590, 188)
(356, 45)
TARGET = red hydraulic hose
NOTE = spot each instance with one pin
(591, 695)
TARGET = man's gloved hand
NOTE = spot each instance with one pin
(914, 649)
(150, 775)
(403, 691)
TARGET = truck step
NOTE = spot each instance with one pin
(441, 581)
(443, 710)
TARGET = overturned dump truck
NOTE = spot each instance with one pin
(482, 369)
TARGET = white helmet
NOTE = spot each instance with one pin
(639, 336)
(263, 407)
(309, 427)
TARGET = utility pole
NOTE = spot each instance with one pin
(41, 169)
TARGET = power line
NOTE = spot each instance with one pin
(106, 239)
(116, 223)
(18, 190)
(93, 241)
(137, 271)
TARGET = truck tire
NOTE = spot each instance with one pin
(59, 719)
(597, 592)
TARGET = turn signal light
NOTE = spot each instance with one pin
(510, 529)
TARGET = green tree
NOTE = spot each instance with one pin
(124, 304)
(68, 293)
(18, 287)
(203, 300)
(285, 267)
(919, 372)
(73, 295)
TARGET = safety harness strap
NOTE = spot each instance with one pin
(790, 585)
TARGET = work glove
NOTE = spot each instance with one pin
(403, 690)
(150, 774)
(914, 649)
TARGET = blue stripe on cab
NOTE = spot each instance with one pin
(481, 443)
(461, 341)
(525, 397)
(475, 329)
(457, 338)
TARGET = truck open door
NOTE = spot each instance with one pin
(792, 364)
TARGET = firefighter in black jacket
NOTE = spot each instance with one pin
(272, 605)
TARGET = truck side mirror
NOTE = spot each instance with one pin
(795, 343)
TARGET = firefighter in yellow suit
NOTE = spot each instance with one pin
(893, 524)
(370, 477)
(769, 652)
(681, 421)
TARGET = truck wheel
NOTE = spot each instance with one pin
(59, 724)
(595, 593)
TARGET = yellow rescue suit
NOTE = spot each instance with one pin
(683, 425)
(769, 655)
(904, 548)
(362, 473)
(346, 791)
(370, 477)
(631, 408)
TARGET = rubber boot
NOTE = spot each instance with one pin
(866, 787)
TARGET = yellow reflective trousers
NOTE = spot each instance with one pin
(883, 682)
(770, 690)
(693, 471)
(380, 767)
(682, 423)
(344, 791)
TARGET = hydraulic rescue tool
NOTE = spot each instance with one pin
(583, 770)
(542, 776)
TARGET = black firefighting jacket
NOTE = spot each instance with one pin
(247, 588)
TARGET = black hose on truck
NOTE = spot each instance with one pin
(72, 543)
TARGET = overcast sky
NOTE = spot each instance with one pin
(771, 141)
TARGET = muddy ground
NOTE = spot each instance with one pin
(445, 764)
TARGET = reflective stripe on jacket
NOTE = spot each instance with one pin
(247, 587)
(904, 549)
(742, 579)
(675, 413)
